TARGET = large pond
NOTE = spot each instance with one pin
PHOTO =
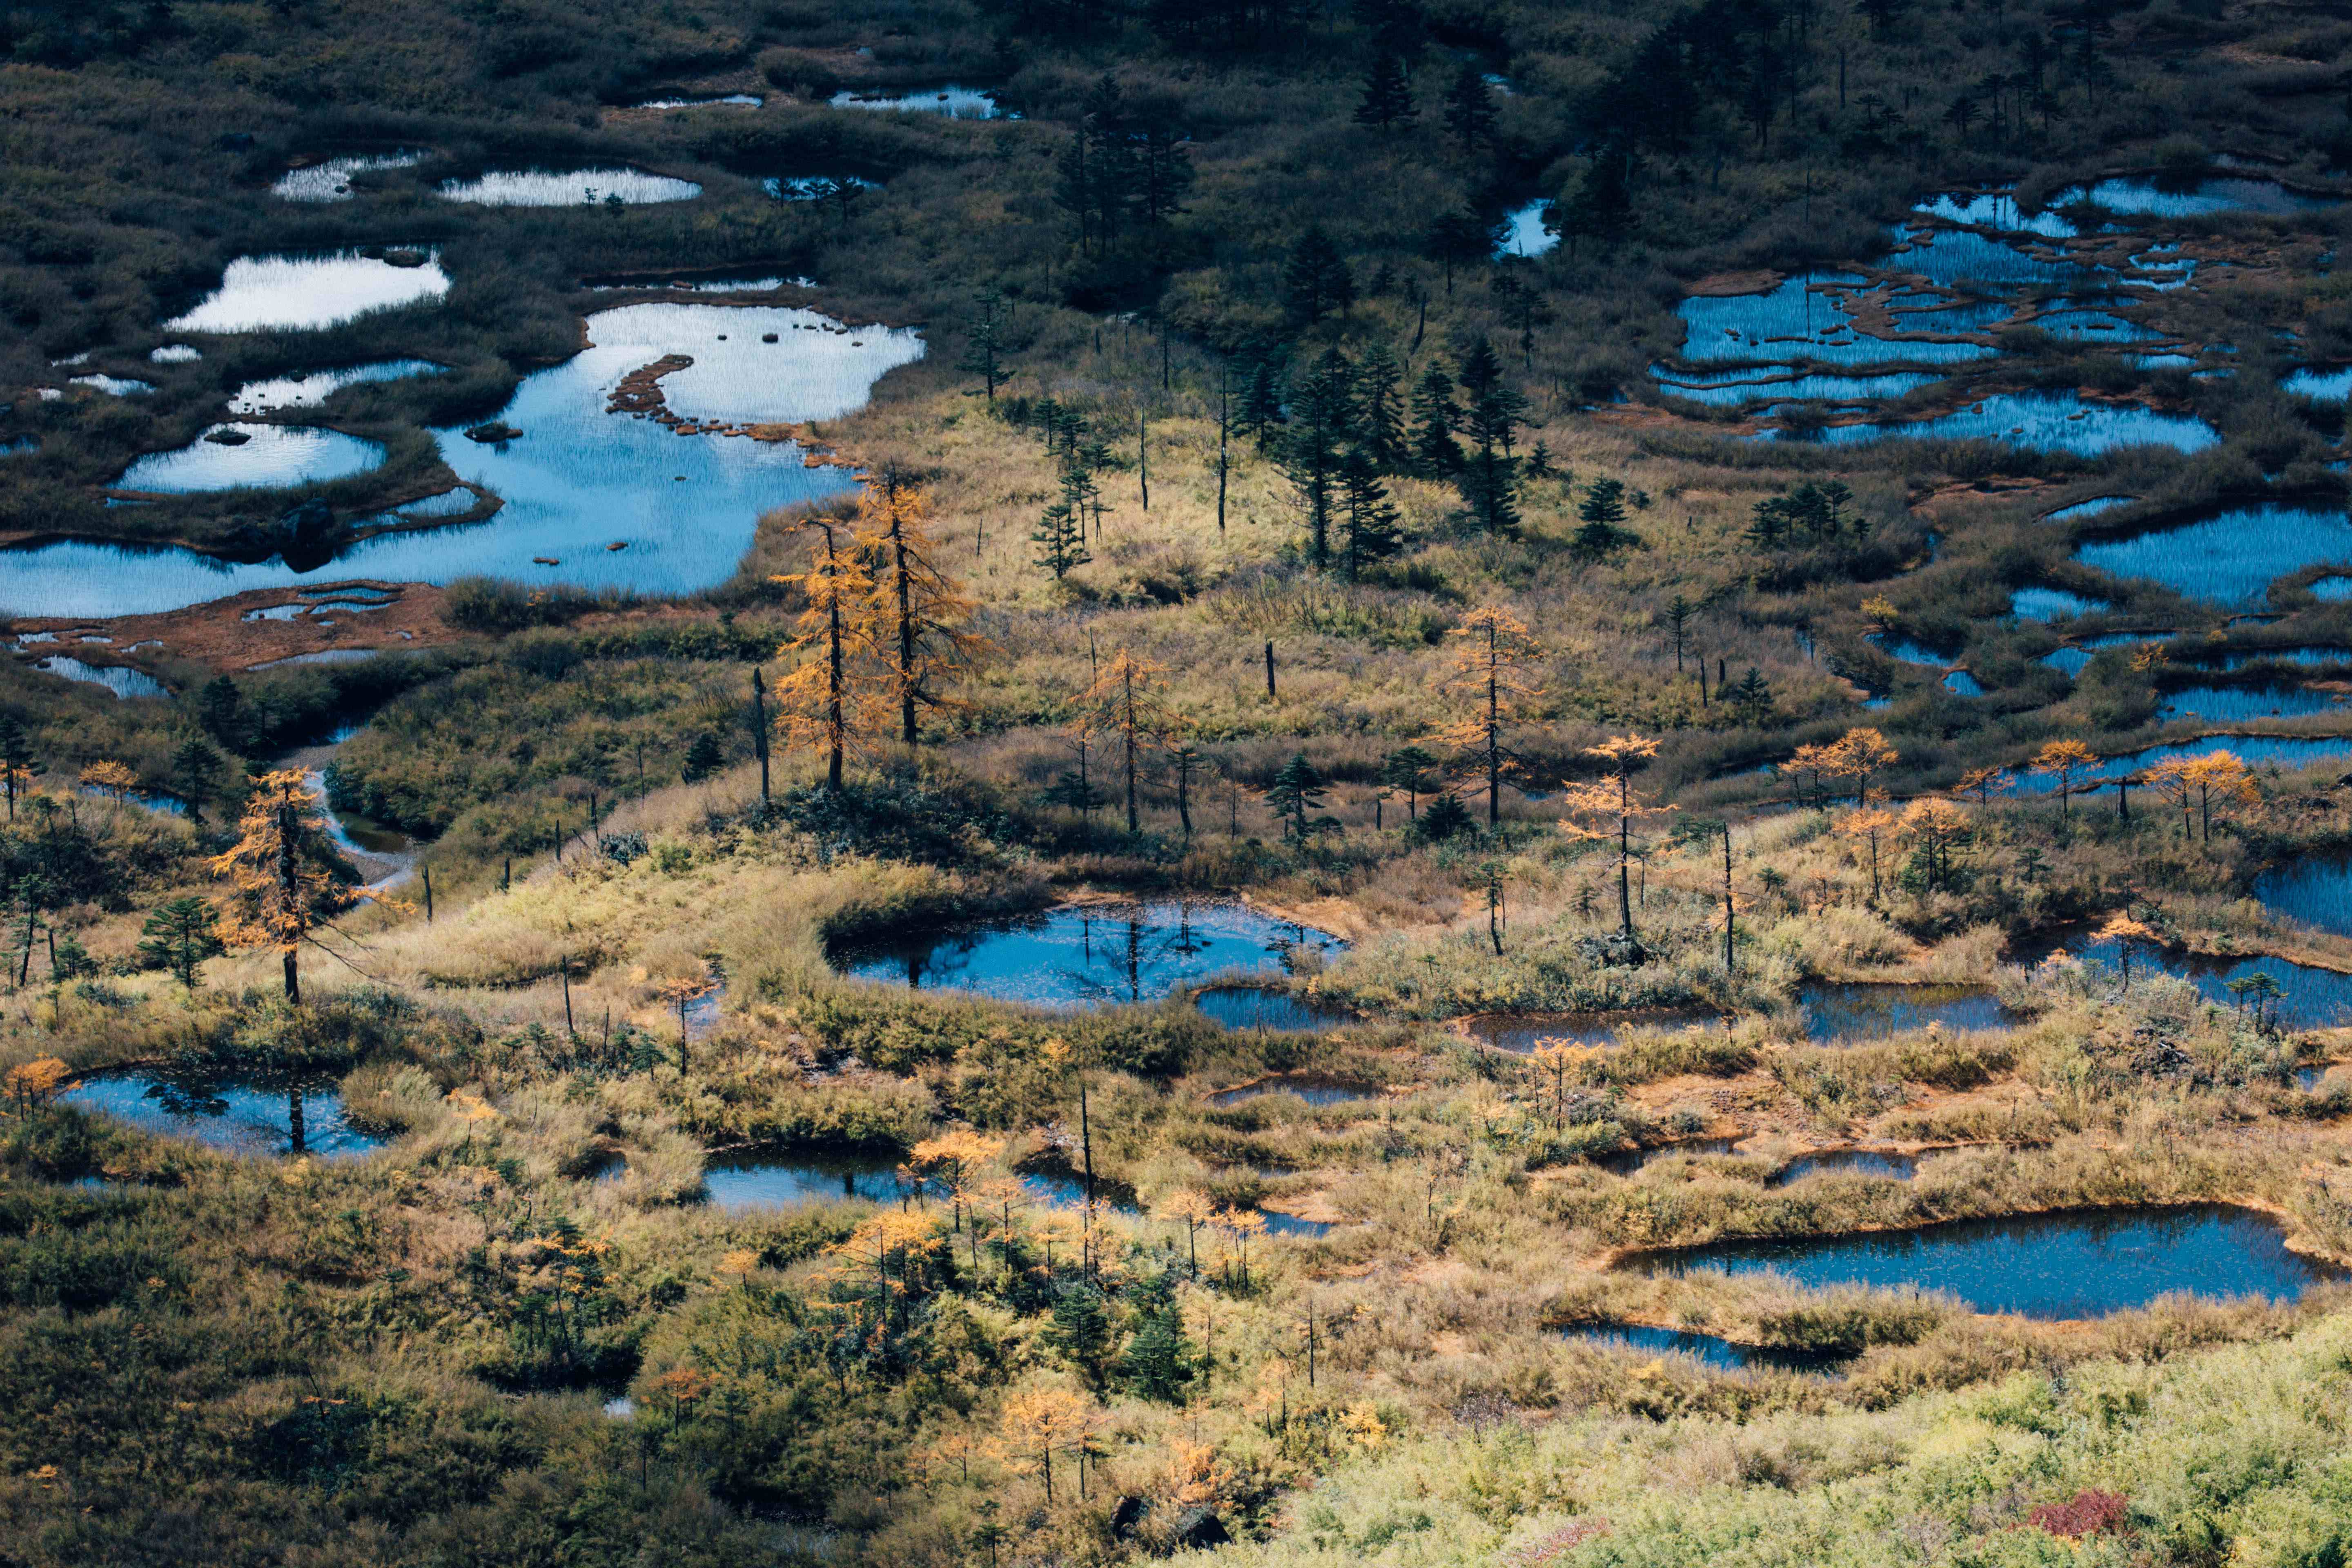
(1842, 1010)
(1804, 317)
(264, 293)
(2231, 557)
(568, 188)
(576, 481)
(241, 1118)
(330, 181)
(2287, 752)
(1089, 955)
(2077, 1264)
(2038, 421)
(268, 457)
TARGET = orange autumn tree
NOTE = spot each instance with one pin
(1128, 700)
(1607, 807)
(284, 871)
(1861, 755)
(827, 701)
(2221, 779)
(2065, 761)
(1494, 666)
(920, 610)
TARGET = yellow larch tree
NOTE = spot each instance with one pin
(2220, 779)
(920, 611)
(2065, 763)
(1607, 808)
(827, 701)
(282, 870)
(1038, 1423)
(1493, 673)
(1861, 754)
(956, 1159)
(1129, 703)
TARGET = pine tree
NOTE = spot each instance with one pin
(1163, 173)
(1061, 533)
(1461, 239)
(220, 710)
(195, 768)
(704, 757)
(16, 757)
(1493, 672)
(1316, 281)
(985, 342)
(1407, 772)
(1313, 448)
(1602, 514)
(1603, 206)
(1296, 790)
(1489, 475)
(1470, 109)
(1128, 700)
(179, 935)
(1387, 102)
(1371, 517)
(1751, 698)
(1379, 414)
(1434, 418)
(1082, 1331)
(1260, 414)
(1159, 1361)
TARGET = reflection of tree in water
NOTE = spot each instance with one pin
(1128, 952)
(187, 1102)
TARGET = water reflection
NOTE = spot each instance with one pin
(1089, 955)
(1256, 1007)
(1855, 1010)
(2230, 557)
(261, 1116)
(2193, 196)
(568, 187)
(2037, 421)
(2082, 1264)
(332, 181)
(258, 293)
(255, 457)
(955, 101)
(1706, 1348)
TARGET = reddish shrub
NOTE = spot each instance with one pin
(2089, 1512)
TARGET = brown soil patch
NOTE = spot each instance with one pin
(218, 634)
(1756, 280)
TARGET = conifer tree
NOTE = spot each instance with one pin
(1470, 109)
(1370, 517)
(1129, 701)
(195, 768)
(1489, 474)
(179, 935)
(1607, 807)
(1260, 414)
(1316, 282)
(922, 610)
(1313, 448)
(1494, 675)
(1295, 791)
(983, 354)
(1380, 413)
(17, 756)
(1061, 533)
(1602, 514)
(1407, 771)
(1387, 100)
(825, 702)
(284, 872)
(1460, 238)
(1434, 418)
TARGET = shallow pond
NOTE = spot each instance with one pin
(2326, 386)
(1314, 1091)
(736, 100)
(2230, 704)
(1961, 683)
(2308, 656)
(174, 353)
(1847, 1161)
(1906, 650)
(2037, 421)
(567, 188)
(2091, 507)
(955, 101)
(1996, 210)
(1802, 319)
(1708, 1348)
(118, 679)
(768, 1181)
(262, 293)
(1521, 1033)
(1725, 392)
(2194, 196)
(1962, 258)
(1089, 955)
(2076, 1264)
(2313, 998)
(2231, 557)
(2288, 752)
(241, 1118)
(1526, 235)
(115, 386)
(330, 181)
(2051, 604)
(272, 457)
(1855, 1010)
(311, 391)
(578, 478)
(2315, 890)
(1255, 1007)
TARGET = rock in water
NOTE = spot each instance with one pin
(227, 437)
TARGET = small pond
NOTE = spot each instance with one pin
(263, 293)
(1722, 1353)
(734, 99)
(1847, 1161)
(174, 353)
(1872, 1010)
(2231, 704)
(1961, 683)
(2231, 557)
(769, 1181)
(2192, 196)
(115, 386)
(1802, 318)
(2326, 386)
(567, 188)
(1963, 258)
(1255, 1007)
(578, 478)
(1996, 210)
(2046, 604)
(1906, 650)
(2091, 507)
(1521, 1033)
(330, 181)
(270, 457)
(2083, 1263)
(1525, 233)
(311, 391)
(955, 101)
(118, 679)
(2037, 421)
(257, 1117)
(1725, 392)
(2287, 752)
(2313, 998)
(1089, 955)
(2307, 656)
(1314, 1091)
